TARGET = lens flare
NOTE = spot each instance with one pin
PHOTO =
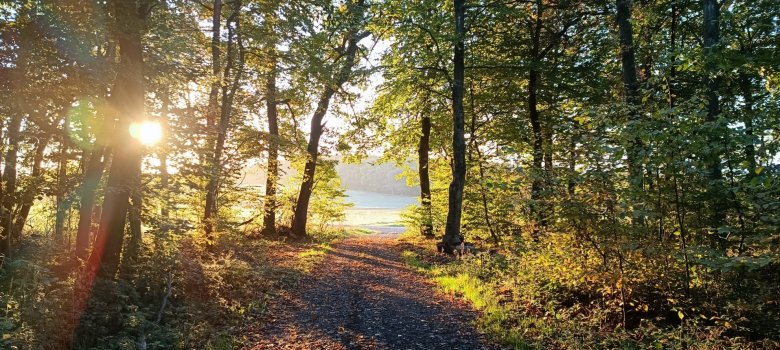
(147, 133)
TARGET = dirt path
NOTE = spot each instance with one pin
(362, 296)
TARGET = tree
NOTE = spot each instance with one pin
(272, 113)
(128, 100)
(230, 83)
(712, 82)
(452, 234)
(631, 92)
(345, 61)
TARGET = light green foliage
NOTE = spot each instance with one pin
(327, 205)
(612, 265)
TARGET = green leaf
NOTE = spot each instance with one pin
(680, 314)
(677, 233)
(759, 170)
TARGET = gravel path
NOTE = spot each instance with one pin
(362, 296)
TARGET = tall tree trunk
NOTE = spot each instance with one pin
(163, 155)
(29, 196)
(712, 83)
(483, 194)
(747, 118)
(272, 176)
(226, 110)
(426, 227)
(134, 219)
(212, 112)
(672, 97)
(573, 154)
(4, 248)
(452, 235)
(9, 178)
(92, 175)
(537, 171)
(129, 102)
(211, 118)
(304, 195)
(341, 77)
(631, 92)
(547, 133)
(62, 173)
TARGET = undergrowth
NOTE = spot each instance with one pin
(178, 294)
(542, 298)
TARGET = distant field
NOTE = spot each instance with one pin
(376, 209)
(373, 217)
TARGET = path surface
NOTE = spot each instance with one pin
(362, 296)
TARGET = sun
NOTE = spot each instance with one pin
(147, 132)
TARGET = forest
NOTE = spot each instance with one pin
(596, 174)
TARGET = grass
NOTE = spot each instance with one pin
(309, 258)
(482, 296)
(372, 217)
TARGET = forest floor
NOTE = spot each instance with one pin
(361, 295)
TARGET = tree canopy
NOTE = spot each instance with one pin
(618, 159)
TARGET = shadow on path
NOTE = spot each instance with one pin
(362, 296)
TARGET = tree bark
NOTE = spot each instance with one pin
(631, 92)
(9, 178)
(747, 118)
(129, 102)
(163, 155)
(62, 173)
(272, 176)
(571, 185)
(537, 171)
(29, 195)
(426, 227)
(213, 108)
(712, 83)
(4, 248)
(452, 234)
(226, 110)
(304, 195)
(211, 118)
(134, 218)
(92, 175)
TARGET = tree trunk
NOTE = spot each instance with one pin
(304, 195)
(747, 118)
(571, 185)
(272, 176)
(129, 102)
(9, 178)
(547, 133)
(88, 190)
(426, 227)
(62, 173)
(30, 193)
(631, 92)
(211, 118)
(452, 235)
(228, 92)
(537, 172)
(3, 248)
(712, 83)
(483, 193)
(163, 155)
(212, 112)
(134, 218)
